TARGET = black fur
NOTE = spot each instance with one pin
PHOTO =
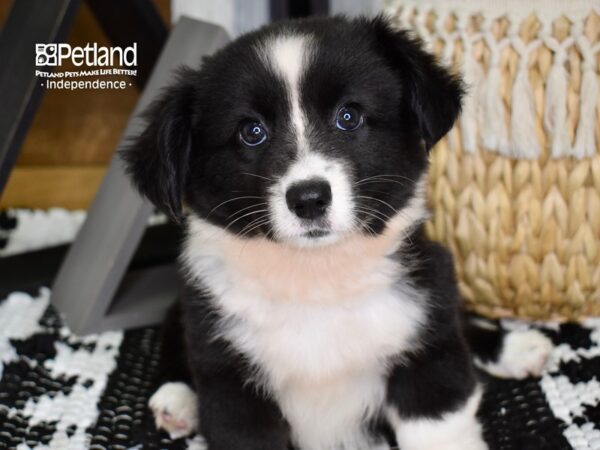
(190, 155)
(438, 378)
(485, 342)
(234, 414)
(158, 160)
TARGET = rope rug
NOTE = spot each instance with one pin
(61, 391)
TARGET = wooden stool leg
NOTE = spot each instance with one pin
(92, 289)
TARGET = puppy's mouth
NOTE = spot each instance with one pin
(317, 233)
(309, 233)
(314, 237)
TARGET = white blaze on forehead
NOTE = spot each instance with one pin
(288, 56)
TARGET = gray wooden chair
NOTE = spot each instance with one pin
(93, 289)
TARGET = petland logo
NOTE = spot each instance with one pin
(105, 67)
(90, 55)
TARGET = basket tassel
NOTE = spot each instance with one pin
(585, 139)
(493, 126)
(555, 108)
(473, 76)
(494, 134)
(523, 137)
(585, 142)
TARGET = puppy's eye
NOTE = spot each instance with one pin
(349, 118)
(252, 133)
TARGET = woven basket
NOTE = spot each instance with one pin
(515, 186)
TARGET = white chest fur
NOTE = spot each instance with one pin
(320, 326)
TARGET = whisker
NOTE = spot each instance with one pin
(404, 231)
(257, 176)
(243, 209)
(387, 176)
(232, 200)
(405, 235)
(378, 200)
(267, 218)
(364, 208)
(258, 225)
(258, 219)
(244, 215)
(365, 226)
(370, 229)
(379, 180)
(376, 215)
(374, 190)
(372, 215)
(271, 232)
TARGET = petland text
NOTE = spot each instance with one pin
(91, 55)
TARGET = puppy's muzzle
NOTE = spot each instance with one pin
(309, 199)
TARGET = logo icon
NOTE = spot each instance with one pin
(46, 54)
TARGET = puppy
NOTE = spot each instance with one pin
(317, 314)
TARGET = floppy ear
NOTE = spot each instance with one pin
(157, 160)
(433, 94)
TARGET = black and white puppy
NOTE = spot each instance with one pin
(316, 310)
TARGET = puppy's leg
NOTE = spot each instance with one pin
(235, 416)
(456, 430)
(175, 409)
(174, 403)
(433, 399)
(507, 354)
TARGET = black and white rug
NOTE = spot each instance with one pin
(61, 391)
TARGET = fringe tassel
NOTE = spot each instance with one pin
(585, 141)
(555, 111)
(493, 122)
(483, 122)
(585, 138)
(493, 130)
(555, 101)
(523, 137)
(473, 76)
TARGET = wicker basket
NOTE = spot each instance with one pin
(515, 186)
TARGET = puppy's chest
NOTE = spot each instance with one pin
(316, 340)
(320, 336)
(294, 339)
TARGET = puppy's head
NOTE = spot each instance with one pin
(303, 132)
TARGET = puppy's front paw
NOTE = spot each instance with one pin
(524, 353)
(175, 409)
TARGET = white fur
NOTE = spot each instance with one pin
(288, 56)
(320, 324)
(524, 353)
(458, 430)
(175, 409)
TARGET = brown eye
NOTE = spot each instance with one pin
(252, 133)
(349, 118)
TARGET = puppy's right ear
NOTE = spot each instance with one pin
(157, 160)
(433, 94)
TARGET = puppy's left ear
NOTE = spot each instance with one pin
(157, 160)
(432, 93)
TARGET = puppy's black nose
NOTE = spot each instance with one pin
(309, 199)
